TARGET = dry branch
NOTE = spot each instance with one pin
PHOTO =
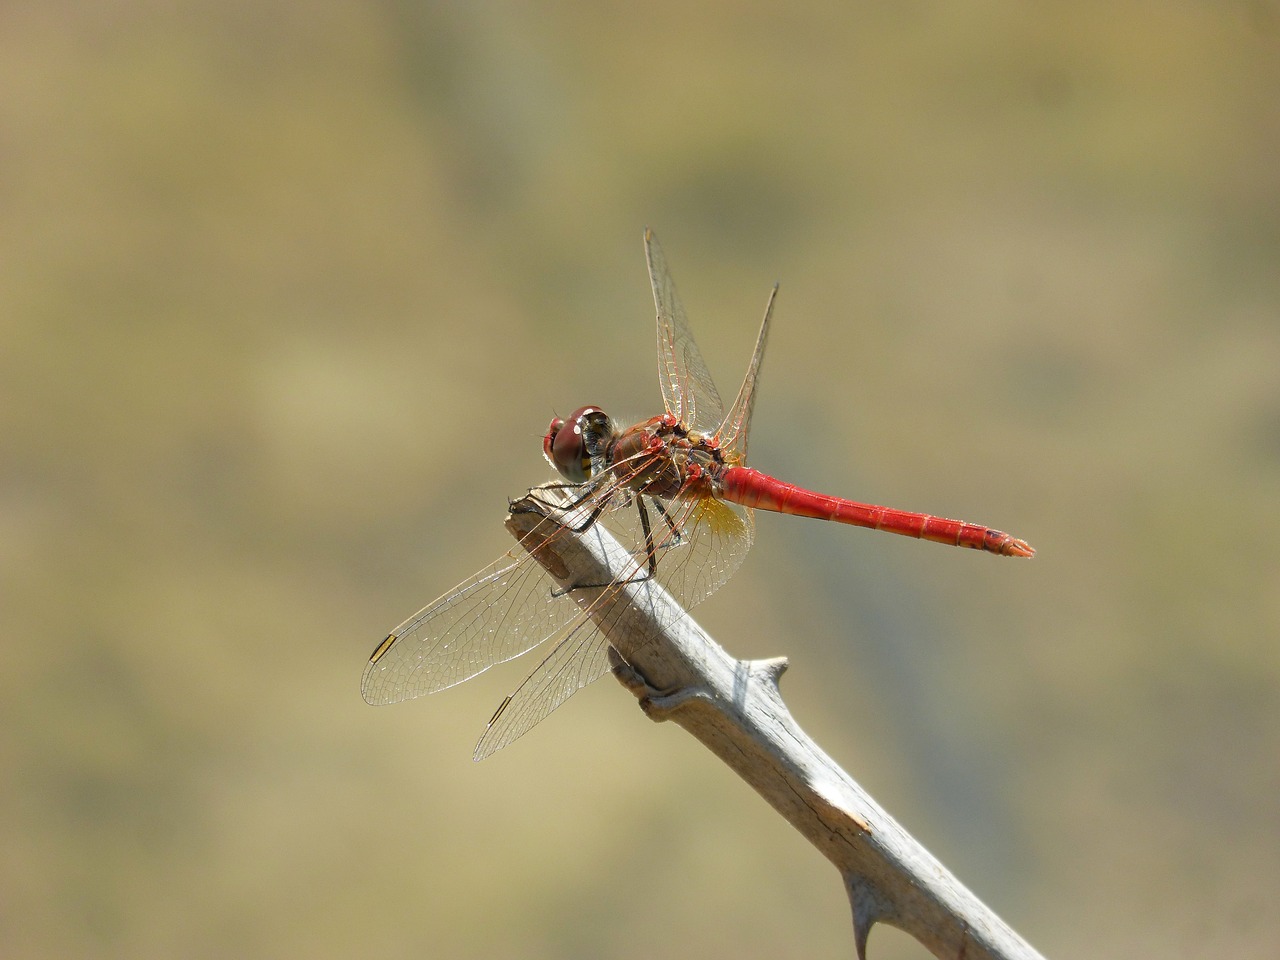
(735, 709)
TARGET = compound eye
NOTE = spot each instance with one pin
(549, 438)
(569, 444)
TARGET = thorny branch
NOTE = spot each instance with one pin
(735, 709)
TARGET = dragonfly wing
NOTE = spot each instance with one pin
(697, 543)
(577, 660)
(733, 432)
(687, 388)
(506, 609)
(713, 537)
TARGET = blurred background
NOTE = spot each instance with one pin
(288, 294)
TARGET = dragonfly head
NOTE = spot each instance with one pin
(576, 446)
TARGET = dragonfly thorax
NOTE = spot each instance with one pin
(576, 446)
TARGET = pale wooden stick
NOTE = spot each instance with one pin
(735, 709)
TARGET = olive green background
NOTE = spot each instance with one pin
(288, 294)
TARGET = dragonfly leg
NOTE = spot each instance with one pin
(651, 552)
(554, 510)
(675, 538)
(640, 577)
(574, 494)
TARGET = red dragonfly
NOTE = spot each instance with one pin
(676, 493)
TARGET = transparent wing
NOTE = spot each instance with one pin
(687, 388)
(504, 610)
(733, 432)
(697, 545)
(577, 660)
(712, 540)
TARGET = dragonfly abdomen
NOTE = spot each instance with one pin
(751, 488)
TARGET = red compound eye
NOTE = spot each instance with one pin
(569, 444)
(550, 438)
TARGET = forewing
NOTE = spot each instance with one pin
(687, 388)
(504, 610)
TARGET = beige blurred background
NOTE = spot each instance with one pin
(288, 293)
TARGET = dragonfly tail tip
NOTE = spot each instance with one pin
(1018, 548)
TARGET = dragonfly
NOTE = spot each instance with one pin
(676, 493)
